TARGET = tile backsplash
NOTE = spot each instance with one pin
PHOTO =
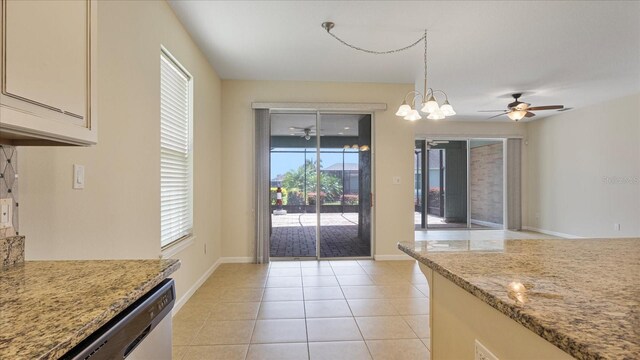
(9, 185)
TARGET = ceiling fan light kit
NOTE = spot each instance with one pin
(516, 115)
(517, 110)
(427, 101)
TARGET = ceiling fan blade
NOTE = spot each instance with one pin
(529, 114)
(547, 107)
(494, 116)
(490, 110)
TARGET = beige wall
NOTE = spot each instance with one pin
(393, 149)
(117, 215)
(584, 170)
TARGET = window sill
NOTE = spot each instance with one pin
(177, 247)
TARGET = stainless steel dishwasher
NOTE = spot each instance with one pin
(140, 332)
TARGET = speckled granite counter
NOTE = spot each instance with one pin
(581, 295)
(48, 307)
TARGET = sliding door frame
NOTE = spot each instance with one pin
(468, 139)
(319, 109)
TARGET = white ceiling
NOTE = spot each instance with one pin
(558, 52)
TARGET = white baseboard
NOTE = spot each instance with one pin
(487, 224)
(393, 257)
(552, 233)
(237, 260)
(223, 260)
(183, 300)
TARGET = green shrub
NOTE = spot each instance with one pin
(351, 199)
(295, 197)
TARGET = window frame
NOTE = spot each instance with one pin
(190, 152)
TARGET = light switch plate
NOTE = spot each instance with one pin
(396, 180)
(78, 176)
(6, 213)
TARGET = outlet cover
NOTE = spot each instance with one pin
(6, 213)
(482, 353)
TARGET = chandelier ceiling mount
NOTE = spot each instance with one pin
(427, 101)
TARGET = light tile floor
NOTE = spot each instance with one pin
(423, 235)
(307, 310)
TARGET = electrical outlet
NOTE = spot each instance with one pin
(396, 180)
(482, 353)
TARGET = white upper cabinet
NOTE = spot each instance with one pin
(48, 72)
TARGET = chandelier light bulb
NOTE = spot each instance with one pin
(436, 115)
(430, 106)
(413, 116)
(447, 109)
(403, 110)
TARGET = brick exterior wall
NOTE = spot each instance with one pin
(486, 183)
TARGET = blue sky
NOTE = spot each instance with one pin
(283, 162)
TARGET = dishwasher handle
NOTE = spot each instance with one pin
(137, 340)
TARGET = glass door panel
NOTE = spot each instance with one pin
(293, 185)
(446, 200)
(419, 216)
(345, 186)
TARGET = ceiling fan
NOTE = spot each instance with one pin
(305, 132)
(519, 109)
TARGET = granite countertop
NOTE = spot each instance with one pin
(581, 295)
(48, 307)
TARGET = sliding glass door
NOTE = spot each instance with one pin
(320, 185)
(293, 171)
(459, 184)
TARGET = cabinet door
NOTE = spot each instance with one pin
(46, 54)
(48, 51)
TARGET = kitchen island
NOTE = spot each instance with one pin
(48, 307)
(533, 299)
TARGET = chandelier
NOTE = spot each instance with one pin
(426, 102)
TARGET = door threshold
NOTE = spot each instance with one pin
(307, 258)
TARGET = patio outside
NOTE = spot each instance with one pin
(294, 235)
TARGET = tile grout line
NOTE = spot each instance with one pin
(255, 323)
(304, 307)
(353, 316)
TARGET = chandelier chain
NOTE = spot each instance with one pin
(425, 65)
(379, 52)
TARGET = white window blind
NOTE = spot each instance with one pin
(176, 183)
